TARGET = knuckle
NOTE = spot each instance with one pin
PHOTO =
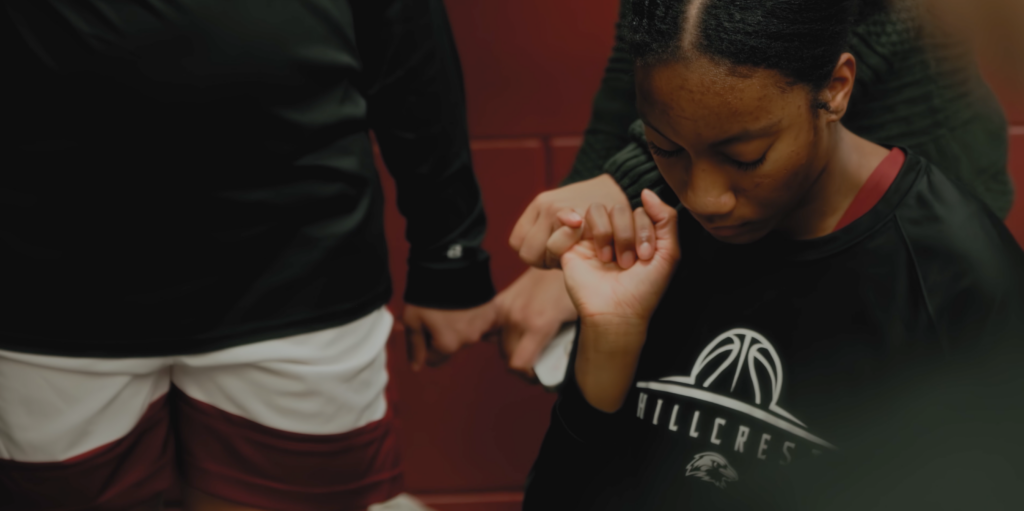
(535, 324)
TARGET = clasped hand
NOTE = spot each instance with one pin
(609, 284)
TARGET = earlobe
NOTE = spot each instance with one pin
(840, 88)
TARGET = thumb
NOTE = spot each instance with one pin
(659, 212)
(664, 217)
(416, 343)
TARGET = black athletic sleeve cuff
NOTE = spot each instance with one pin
(451, 284)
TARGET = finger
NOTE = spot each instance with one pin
(416, 344)
(532, 250)
(569, 218)
(510, 337)
(438, 350)
(601, 230)
(622, 232)
(655, 207)
(523, 226)
(491, 336)
(559, 243)
(448, 345)
(644, 234)
(664, 218)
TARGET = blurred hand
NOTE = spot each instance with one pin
(434, 335)
(540, 219)
(530, 313)
(601, 289)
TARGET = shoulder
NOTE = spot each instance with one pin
(970, 267)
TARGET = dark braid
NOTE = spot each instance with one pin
(802, 39)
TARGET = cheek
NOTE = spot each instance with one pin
(778, 189)
(674, 173)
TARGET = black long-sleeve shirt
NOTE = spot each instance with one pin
(877, 367)
(190, 175)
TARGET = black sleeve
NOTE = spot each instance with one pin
(580, 443)
(412, 81)
(613, 111)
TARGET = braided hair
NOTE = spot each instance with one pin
(801, 39)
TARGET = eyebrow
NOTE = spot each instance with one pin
(743, 135)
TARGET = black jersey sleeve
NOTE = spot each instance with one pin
(416, 108)
(579, 445)
(969, 266)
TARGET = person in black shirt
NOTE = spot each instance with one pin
(189, 197)
(827, 323)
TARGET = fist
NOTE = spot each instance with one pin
(598, 285)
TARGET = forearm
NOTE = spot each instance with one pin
(606, 359)
(416, 106)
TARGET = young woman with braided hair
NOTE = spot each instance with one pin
(765, 344)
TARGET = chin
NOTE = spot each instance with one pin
(742, 235)
(741, 239)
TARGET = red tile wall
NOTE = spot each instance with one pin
(470, 429)
(1012, 98)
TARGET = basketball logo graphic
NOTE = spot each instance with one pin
(731, 356)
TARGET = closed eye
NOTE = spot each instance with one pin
(663, 153)
(748, 166)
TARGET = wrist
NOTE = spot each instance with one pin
(606, 360)
(614, 322)
(613, 337)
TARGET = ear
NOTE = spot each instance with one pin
(837, 93)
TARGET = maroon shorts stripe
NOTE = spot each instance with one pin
(245, 462)
(115, 477)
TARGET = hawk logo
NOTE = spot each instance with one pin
(713, 468)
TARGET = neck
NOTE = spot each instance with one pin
(851, 162)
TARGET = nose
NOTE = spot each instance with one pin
(709, 194)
